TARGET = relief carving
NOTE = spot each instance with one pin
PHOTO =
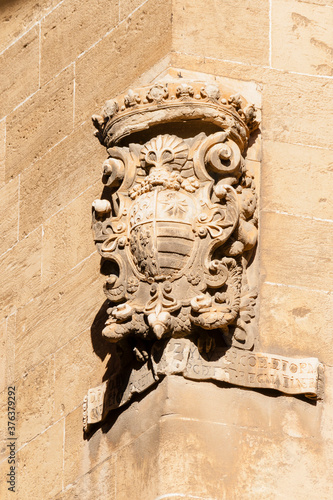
(177, 230)
(180, 225)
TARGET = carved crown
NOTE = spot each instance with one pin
(163, 103)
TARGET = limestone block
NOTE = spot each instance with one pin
(3, 354)
(327, 412)
(18, 17)
(138, 467)
(10, 351)
(118, 432)
(149, 29)
(222, 29)
(2, 151)
(40, 123)
(13, 63)
(220, 402)
(74, 379)
(280, 468)
(65, 241)
(296, 322)
(306, 31)
(319, 2)
(297, 179)
(4, 469)
(37, 386)
(98, 483)
(296, 418)
(63, 174)
(40, 465)
(80, 456)
(72, 28)
(21, 273)
(198, 457)
(57, 315)
(126, 7)
(9, 215)
(221, 67)
(3, 422)
(296, 251)
(293, 111)
(7, 351)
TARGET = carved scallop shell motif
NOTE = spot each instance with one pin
(165, 149)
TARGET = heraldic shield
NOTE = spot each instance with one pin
(177, 225)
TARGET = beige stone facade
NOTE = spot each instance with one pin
(184, 439)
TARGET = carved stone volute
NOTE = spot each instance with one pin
(178, 223)
(177, 233)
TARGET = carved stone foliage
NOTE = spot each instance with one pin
(177, 229)
(177, 225)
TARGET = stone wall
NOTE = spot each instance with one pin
(59, 62)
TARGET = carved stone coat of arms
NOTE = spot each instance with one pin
(180, 223)
(177, 229)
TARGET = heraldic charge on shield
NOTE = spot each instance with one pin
(177, 223)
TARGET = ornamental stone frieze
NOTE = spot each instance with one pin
(177, 229)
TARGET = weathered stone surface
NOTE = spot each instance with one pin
(46, 475)
(296, 322)
(65, 241)
(182, 357)
(35, 401)
(294, 112)
(83, 455)
(71, 29)
(23, 54)
(193, 453)
(41, 122)
(297, 179)
(18, 17)
(229, 406)
(21, 273)
(325, 428)
(296, 251)
(306, 29)
(99, 483)
(300, 471)
(10, 351)
(150, 28)
(63, 174)
(7, 352)
(140, 476)
(3, 354)
(288, 100)
(126, 7)
(224, 22)
(3, 422)
(47, 323)
(2, 151)
(9, 216)
(71, 380)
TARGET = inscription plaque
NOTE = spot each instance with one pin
(255, 370)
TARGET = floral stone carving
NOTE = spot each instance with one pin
(176, 230)
(180, 223)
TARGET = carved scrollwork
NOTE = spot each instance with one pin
(178, 221)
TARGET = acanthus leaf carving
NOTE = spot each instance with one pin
(180, 213)
(177, 229)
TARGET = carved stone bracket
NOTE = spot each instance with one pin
(177, 226)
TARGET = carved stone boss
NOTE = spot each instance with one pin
(176, 229)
